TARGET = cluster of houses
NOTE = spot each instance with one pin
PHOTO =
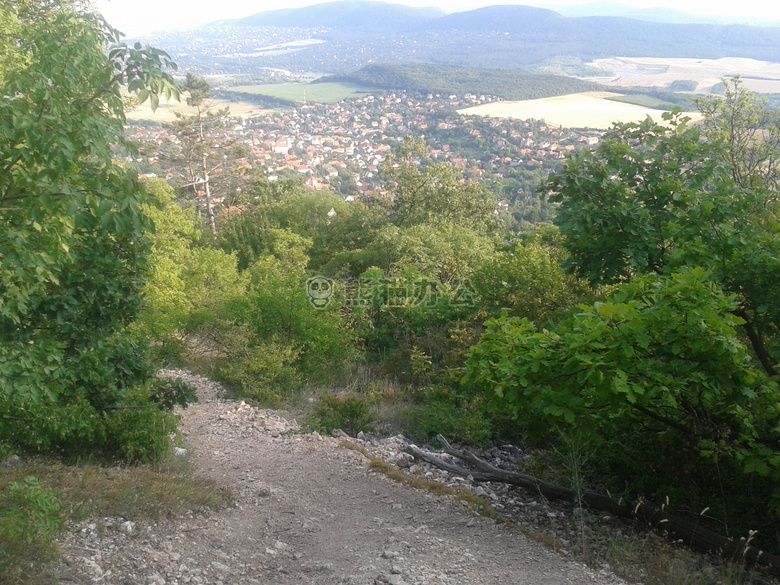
(343, 146)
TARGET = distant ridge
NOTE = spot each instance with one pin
(498, 18)
(657, 14)
(357, 15)
(354, 33)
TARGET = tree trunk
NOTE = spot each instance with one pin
(209, 204)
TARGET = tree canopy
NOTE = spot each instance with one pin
(657, 197)
(73, 233)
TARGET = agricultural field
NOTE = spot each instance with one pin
(578, 110)
(325, 93)
(704, 75)
(166, 111)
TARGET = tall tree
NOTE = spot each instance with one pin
(197, 132)
(73, 241)
(750, 131)
(434, 194)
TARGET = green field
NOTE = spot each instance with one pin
(324, 93)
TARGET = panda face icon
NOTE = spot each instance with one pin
(320, 291)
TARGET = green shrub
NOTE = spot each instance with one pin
(442, 412)
(266, 372)
(351, 414)
(29, 520)
(141, 431)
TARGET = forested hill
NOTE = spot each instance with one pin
(356, 15)
(512, 37)
(449, 79)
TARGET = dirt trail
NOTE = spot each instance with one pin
(306, 511)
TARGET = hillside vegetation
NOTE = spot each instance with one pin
(640, 327)
(449, 79)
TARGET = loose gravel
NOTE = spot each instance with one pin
(307, 511)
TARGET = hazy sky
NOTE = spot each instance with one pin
(138, 16)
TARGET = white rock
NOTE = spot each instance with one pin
(94, 569)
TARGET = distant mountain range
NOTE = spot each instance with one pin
(356, 15)
(343, 36)
(540, 32)
(657, 14)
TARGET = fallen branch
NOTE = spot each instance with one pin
(689, 532)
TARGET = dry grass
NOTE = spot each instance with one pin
(579, 110)
(648, 558)
(166, 112)
(90, 491)
(477, 503)
(163, 490)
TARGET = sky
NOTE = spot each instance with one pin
(136, 17)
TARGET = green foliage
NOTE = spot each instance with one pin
(140, 430)
(447, 253)
(684, 85)
(444, 412)
(265, 371)
(749, 129)
(653, 199)
(448, 79)
(272, 337)
(74, 240)
(433, 194)
(350, 413)
(29, 521)
(653, 375)
(528, 280)
(190, 285)
(623, 205)
(167, 393)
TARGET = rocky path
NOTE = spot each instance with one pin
(306, 511)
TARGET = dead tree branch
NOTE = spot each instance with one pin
(688, 531)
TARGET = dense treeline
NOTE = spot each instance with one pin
(449, 79)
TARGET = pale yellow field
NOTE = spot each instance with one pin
(577, 110)
(758, 76)
(165, 113)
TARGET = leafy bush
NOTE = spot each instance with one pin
(455, 417)
(140, 431)
(350, 413)
(75, 240)
(656, 377)
(29, 521)
(264, 371)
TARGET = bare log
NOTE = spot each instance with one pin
(691, 533)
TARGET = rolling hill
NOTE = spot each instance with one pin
(448, 79)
